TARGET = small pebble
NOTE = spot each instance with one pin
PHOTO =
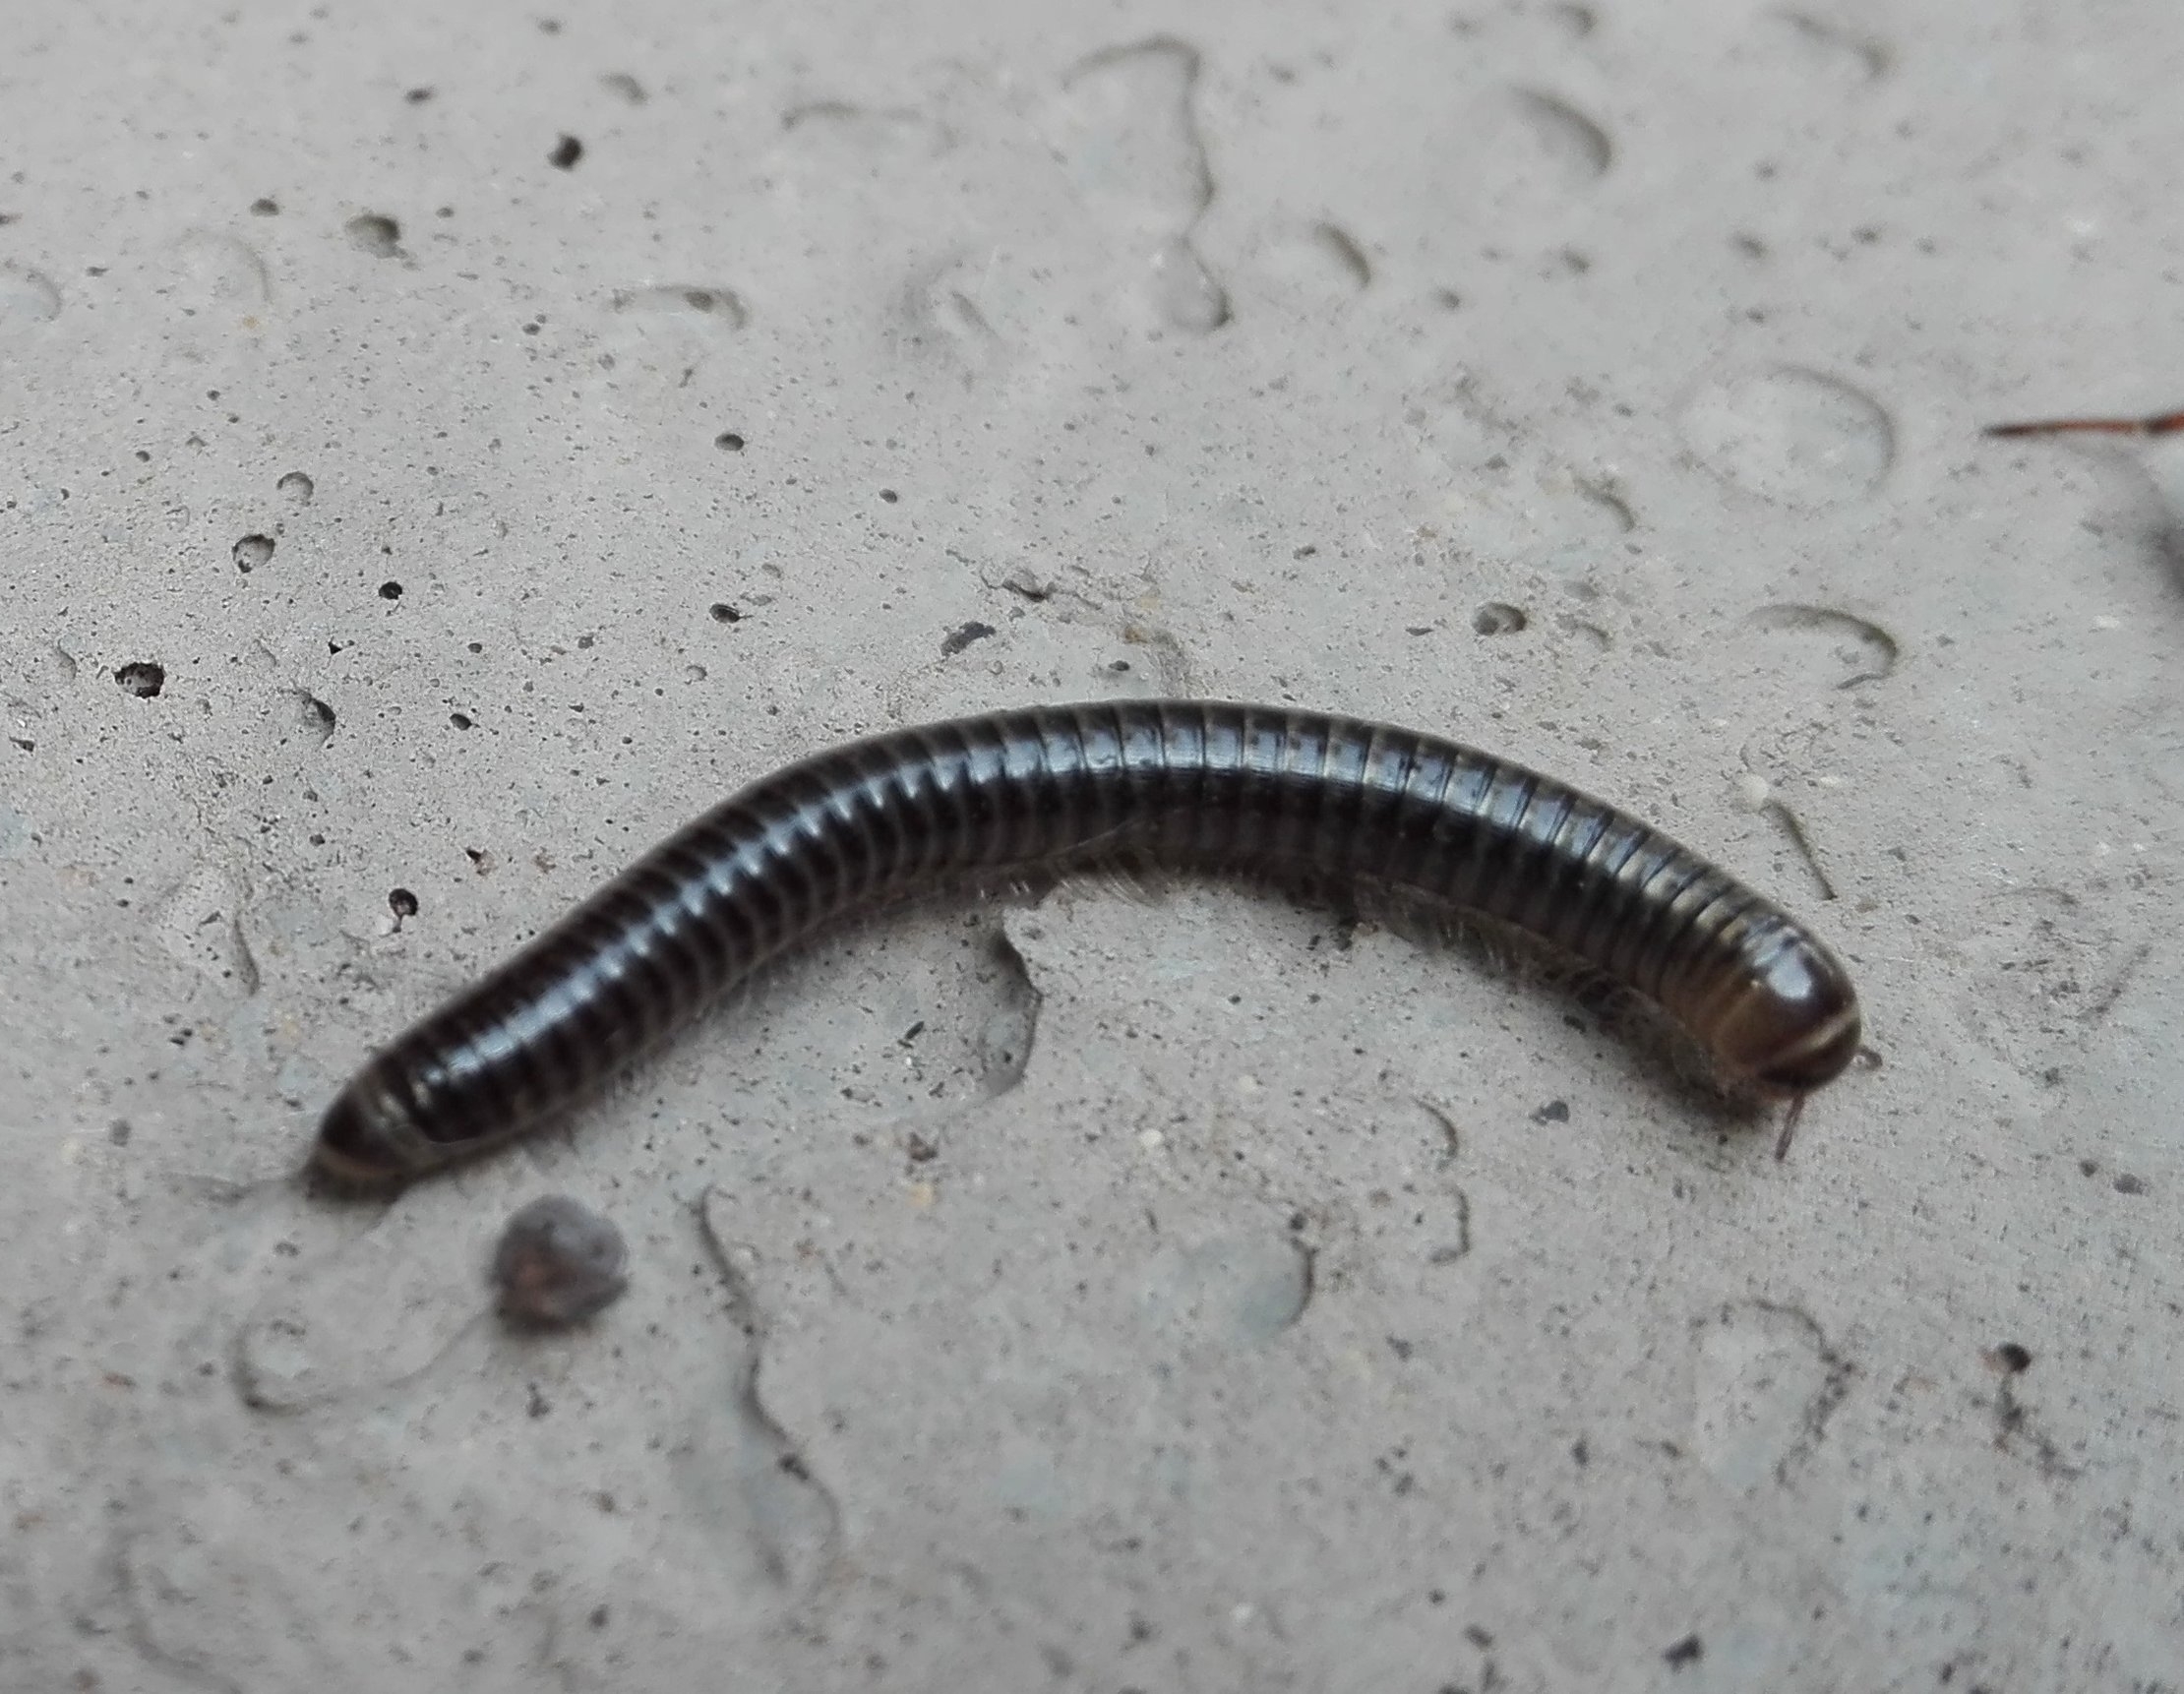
(559, 1262)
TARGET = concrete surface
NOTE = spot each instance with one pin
(1106, 1295)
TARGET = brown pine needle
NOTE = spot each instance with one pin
(2163, 423)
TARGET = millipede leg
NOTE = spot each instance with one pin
(1788, 1127)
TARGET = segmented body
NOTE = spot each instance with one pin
(1197, 786)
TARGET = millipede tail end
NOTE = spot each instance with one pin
(367, 1137)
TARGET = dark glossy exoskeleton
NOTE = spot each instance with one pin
(1188, 785)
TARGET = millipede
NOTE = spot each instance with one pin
(1190, 786)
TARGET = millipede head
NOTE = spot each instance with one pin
(1796, 1026)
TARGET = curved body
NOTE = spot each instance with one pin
(1184, 784)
